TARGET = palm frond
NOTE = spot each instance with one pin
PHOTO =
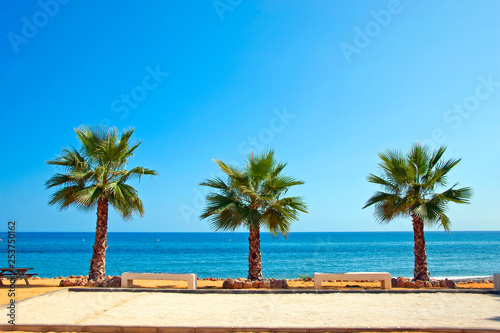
(386, 211)
(387, 184)
(380, 197)
(217, 183)
(135, 173)
(418, 161)
(440, 172)
(278, 219)
(261, 166)
(460, 195)
(60, 179)
(435, 158)
(89, 196)
(90, 140)
(394, 166)
(409, 183)
(96, 170)
(123, 144)
(71, 159)
(66, 196)
(278, 168)
(233, 172)
(252, 197)
(280, 183)
(124, 199)
(433, 212)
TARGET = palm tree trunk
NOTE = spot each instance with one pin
(420, 272)
(254, 258)
(98, 262)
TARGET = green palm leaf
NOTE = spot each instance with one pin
(409, 183)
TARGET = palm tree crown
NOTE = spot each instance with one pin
(96, 174)
(410, 185)
(253, 197)
(97, 170)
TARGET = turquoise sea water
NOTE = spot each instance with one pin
(455, 254)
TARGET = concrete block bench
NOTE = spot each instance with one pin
(384, 277)
(129, 277)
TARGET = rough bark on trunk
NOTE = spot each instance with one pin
(98, 262)
(254, 258)
(420, 272)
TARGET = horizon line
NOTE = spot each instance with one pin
(244, 232)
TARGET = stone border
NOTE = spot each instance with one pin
(208, 329)
(289, 291)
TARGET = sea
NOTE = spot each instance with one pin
(456, 254)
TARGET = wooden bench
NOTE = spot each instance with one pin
(384, 277)
(16, 273)
(129, 277)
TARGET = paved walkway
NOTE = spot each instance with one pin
(451, 310)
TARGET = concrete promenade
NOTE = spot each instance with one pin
(341, 310)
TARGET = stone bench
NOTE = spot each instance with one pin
(129, 277)
(384, 277)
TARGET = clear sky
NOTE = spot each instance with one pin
(326, 84)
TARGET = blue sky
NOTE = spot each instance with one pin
(326, 84)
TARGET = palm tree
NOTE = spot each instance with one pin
(96, 174)
(253, 197)
(409, 183)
